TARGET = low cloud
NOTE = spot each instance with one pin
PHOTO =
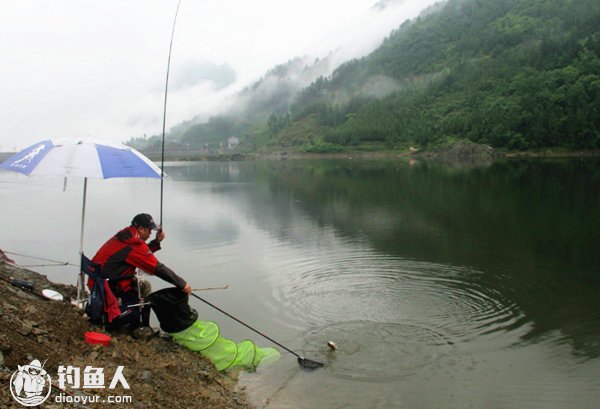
(275, 91)
(192, 73)
(84, 68)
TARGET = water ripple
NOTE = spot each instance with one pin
(378, 351)
(365, 286)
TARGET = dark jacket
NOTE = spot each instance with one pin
(124, 252)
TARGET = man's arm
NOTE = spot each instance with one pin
(146, 260)
(169, 276)
(154, 245)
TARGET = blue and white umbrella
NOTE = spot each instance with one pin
(81, 158)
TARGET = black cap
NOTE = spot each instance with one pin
(144, 220)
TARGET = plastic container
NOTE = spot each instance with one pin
(97, 338)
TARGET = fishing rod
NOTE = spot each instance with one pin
(162, 158)
(46, 294)
(55, 262)
(225, 287)
(302, 361)
(22, 284)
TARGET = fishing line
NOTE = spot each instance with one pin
(162, 159)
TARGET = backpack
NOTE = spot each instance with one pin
(96, 303)
(102, 306)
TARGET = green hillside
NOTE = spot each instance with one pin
(516, 74)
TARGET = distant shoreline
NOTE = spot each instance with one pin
(369, 155)
(5, 155)
(549, 153)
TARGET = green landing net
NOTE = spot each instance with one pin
(204, 337)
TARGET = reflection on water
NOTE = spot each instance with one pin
(417, 271)
(446, 288)
(530, 228)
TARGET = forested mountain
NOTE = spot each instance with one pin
(517, 74)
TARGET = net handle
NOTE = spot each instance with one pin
(302, 361)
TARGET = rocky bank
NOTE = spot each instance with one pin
(160, 372)
(462, 154)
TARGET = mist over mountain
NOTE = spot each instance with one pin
(275, 90)
(192, 73)
(515, 74)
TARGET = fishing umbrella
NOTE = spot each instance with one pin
(81, 158)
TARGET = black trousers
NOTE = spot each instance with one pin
(133, 317)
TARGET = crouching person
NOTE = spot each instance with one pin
(118, 259)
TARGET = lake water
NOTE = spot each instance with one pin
(442, 287)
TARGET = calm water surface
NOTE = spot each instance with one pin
(442, 287)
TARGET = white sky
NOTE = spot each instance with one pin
(92, 68)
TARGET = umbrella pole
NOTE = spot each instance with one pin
(83, 216)
(80, 281)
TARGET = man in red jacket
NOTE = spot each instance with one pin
(122, 254)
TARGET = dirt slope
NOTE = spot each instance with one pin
(160, 373)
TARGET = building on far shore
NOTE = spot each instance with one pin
(232, 142)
